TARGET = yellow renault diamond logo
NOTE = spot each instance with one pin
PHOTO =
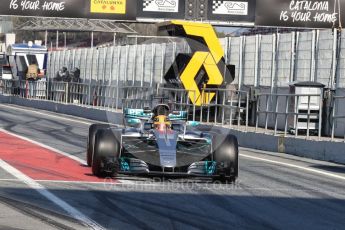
(208, 60)
(108, 6)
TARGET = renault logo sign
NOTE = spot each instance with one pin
(204, 68)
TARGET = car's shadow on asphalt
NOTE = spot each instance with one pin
(151, 208)
(330, 168)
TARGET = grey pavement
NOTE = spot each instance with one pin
(266, 196)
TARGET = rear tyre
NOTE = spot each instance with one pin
(225, 153)
(91, 141)
(106, 153)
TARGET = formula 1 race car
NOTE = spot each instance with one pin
(161, 142)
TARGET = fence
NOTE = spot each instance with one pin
(289, 107)
(261, 60)
(232, 104)
(137, 97)
(90, 95)
(267, 62)
(336, 113)
(277, 114)
(179, 99)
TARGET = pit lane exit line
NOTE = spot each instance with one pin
(50, 196)
(46, 114)
(307, 169)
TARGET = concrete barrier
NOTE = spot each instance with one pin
(69, 109)
(314, 149)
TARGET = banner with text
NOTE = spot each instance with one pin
(94, 9)
(290, 13)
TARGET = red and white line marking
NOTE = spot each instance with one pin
(79, 173)
(29, 162)
(41, 162)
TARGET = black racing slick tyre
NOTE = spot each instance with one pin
(91, 141)
(106, 152)
(225, 153)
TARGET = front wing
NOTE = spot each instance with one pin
(137, 167)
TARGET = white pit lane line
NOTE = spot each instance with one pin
(81, 161)
(50, 196)
(51, 115)
(307, 169)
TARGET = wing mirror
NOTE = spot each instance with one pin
(193, 123)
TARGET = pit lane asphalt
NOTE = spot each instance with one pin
(266, 196)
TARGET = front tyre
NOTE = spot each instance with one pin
(106, 153)
(91, 140)
(225, 153)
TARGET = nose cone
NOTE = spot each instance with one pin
(167, 141)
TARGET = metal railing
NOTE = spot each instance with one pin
(336, 114)
(229, 107)
(180, 99)
(6, 87)
(136, 96)
(103, 96)
(25, 89)
(79, 93)
(100, 96)
(276, 114)
(307, 107)
(57, 91)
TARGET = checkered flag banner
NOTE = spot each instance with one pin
(230, 7)
(216, 4)
(147, 3)
(161, 5)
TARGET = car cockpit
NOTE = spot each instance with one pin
(160, 117)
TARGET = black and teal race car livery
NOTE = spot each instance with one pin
(161, 142)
